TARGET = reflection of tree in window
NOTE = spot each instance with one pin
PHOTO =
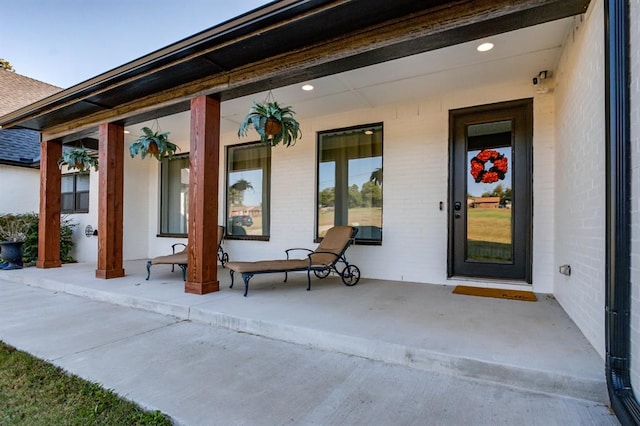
(236, 192)
(248, 194)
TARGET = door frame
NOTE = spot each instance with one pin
(526, 210)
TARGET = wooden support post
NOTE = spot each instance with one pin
(50, 195)
(202, 272)
(110, 201)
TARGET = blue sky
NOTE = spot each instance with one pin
(65, 42)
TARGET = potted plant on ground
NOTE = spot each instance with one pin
(152, 143)
(13, 230)
(273, 123)
(78, 158)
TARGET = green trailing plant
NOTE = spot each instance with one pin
(274, 124)
(78, 158)
(152, 143)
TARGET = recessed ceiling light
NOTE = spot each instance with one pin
(485, 47)
(368, 132)
(307, 87)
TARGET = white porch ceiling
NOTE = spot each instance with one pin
(517, 56)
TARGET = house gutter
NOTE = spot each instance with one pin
(618, 213)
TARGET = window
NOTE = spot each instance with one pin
(174, 195)
(75, 193)
(248, 191)
(350, 181)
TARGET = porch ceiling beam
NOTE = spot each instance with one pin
(430, 29)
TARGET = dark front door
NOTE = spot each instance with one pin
(490, 191)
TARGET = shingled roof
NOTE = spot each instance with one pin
(20, 147)
(17, 91)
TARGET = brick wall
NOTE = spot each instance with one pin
(416, 180)
(580, 176)
(21, 189)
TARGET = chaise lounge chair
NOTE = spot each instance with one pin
(181, 258)
(322, 261)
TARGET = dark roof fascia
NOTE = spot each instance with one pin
(240, 25)
(30, 165)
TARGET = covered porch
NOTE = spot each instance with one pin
(530, 345)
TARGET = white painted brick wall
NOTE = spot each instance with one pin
(416, 178)
(20, 189)
(580, 176)
(635, 191)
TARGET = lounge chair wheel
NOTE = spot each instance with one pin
(321, 273)
(350, 275)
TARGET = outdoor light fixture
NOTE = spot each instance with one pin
(90, 232)
(485, 47)
(307, 87)
(565, 270)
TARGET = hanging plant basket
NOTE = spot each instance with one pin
(272, 127)
(78, 158)
(155, 144)
(274, 124)
(242, 185)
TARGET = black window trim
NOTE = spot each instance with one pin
(75, 194)
(357, 241)
(226, 196)
(161, 234)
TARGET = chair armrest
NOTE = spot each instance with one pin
(291, 249)
(337, 255)
(173, 246)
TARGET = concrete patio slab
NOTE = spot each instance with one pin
(204, 375)
(532, 345)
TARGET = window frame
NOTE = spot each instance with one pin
(76, 193)
(267, 180)
(160, 197)
(358, 241)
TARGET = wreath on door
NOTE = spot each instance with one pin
(500, 165)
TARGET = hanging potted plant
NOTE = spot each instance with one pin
(273, 123)
(242, 185)
(152, 143)
(78, 158)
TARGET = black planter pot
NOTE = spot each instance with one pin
(11, 252)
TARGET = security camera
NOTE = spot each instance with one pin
(535, 81)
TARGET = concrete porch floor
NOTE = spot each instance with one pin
(530, 345)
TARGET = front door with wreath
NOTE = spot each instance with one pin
(490, 234)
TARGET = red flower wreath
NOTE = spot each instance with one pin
(495, 173)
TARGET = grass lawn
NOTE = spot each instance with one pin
(489, 234)
(492, 225)
(34, 392)
(362, 216)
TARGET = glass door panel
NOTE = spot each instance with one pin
(489, 222)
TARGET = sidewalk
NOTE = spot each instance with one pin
(203, 374)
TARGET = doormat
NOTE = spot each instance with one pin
(527, 296)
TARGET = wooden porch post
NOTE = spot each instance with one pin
(110, 201)
(202, 273)
(50, 195)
